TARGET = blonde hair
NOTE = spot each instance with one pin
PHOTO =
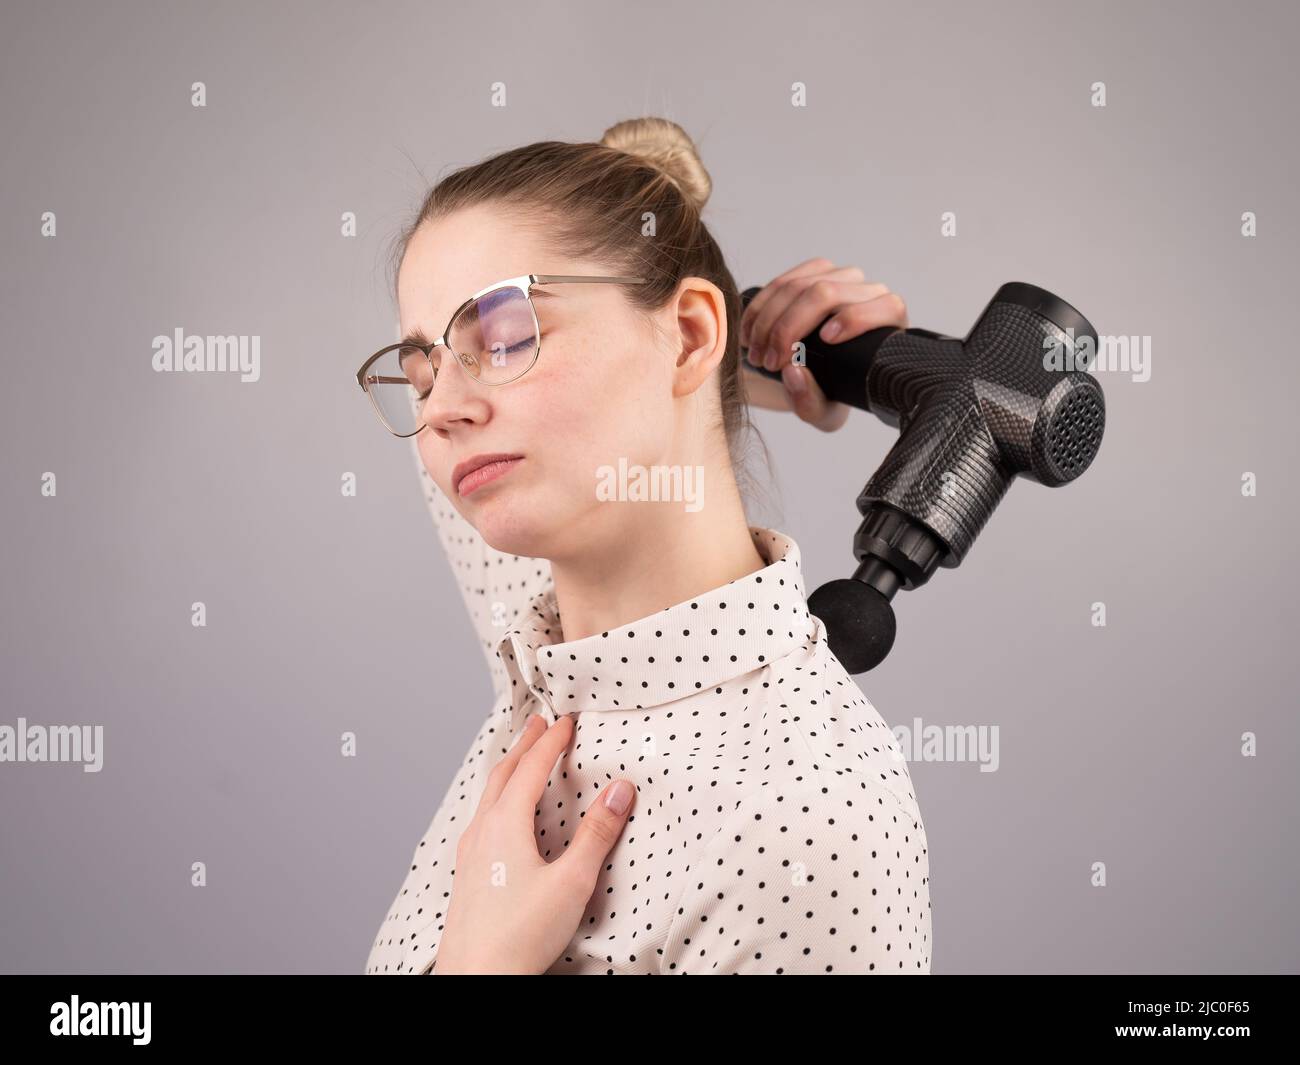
(664, 145)
(596, 200)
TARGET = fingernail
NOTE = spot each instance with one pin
(793, 377)
(619, 797)
(770, 359)
(832, 330)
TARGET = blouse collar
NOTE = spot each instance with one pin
(690, 647)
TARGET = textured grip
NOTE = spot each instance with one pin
(974, 413)
(945, 470)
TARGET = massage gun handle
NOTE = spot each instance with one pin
(840, 369)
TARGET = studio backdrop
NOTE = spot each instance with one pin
(228, 587)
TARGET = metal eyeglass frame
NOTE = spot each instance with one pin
(524, 283)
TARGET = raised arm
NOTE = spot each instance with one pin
(495, 586)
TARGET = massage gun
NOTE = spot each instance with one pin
(972, 414)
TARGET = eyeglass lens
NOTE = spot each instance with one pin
(494, 339)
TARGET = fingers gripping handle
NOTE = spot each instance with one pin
(840, 370)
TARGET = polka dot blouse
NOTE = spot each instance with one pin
(775, 828)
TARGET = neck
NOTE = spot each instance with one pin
(646, 556)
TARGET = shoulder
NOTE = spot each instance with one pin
(810, 879)
(822, 823)
(835, 738)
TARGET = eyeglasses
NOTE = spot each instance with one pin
(494, 336)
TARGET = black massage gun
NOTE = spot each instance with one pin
(972, 415)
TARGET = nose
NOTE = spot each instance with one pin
(453, 397)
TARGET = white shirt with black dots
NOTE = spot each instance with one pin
(775, 828)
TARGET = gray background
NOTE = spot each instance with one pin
(325, 614)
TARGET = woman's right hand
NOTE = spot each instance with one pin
(512, 911)
(786, 310)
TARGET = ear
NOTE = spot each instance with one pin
(699, 313)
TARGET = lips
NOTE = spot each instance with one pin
(480, 469)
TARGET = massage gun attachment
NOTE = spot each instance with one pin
(972, 414)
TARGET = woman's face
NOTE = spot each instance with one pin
(602, 388)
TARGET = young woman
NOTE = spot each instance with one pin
(678, 776)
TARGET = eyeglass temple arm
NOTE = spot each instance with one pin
(366, 374)
(548, 279)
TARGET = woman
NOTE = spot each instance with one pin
(678, 775)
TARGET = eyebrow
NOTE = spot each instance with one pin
(416, 336)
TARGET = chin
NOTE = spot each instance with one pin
(542, 524)
(509, 524)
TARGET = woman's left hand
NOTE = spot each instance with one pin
(511, 911)
(788, 308)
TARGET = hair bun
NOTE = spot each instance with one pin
(667, 147)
